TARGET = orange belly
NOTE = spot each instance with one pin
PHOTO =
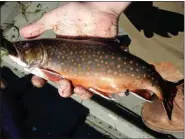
(107, 84)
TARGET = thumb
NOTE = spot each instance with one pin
(39, 27)
(33, 30)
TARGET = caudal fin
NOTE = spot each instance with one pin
(168, 105)
(170, 93)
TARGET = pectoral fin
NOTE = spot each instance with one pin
(52, 76)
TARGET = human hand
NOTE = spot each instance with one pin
(149, 112)
(76, 19)
(168, 71)
(2, 84)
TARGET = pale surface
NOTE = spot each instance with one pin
(157, 48)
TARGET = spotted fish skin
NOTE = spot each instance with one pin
(95, 63)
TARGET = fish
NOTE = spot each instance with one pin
(98, 64)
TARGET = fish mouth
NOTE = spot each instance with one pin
(13, 52)
(9, 47)
(17, 57)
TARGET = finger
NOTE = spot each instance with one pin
(83, 93)
(33, 30)
(65, 88)
(38, 82)
(39, 27)
(2, 85)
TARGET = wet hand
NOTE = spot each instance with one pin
(168, 71)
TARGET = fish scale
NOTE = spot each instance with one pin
(96, 63)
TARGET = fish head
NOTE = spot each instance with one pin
(29, 53)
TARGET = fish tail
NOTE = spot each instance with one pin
(170, 93)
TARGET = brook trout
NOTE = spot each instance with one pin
(97, 64)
